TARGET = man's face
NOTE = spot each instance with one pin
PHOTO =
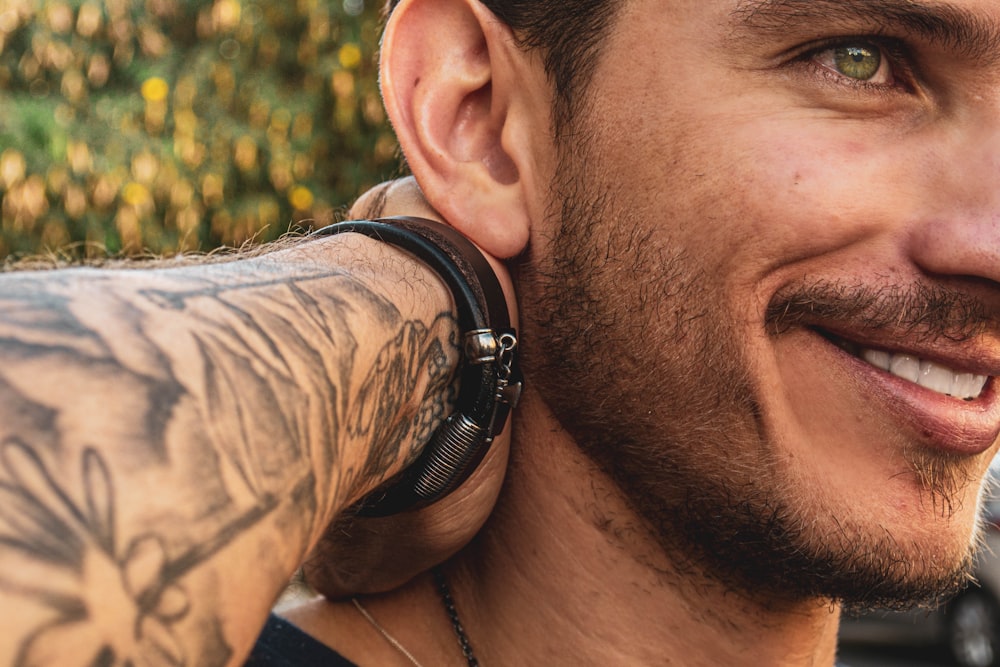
(769, 258)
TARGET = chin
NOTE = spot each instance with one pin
(907, 576)
(792, 534)
(906, 543)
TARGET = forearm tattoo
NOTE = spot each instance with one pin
(160, 431)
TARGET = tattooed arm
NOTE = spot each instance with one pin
(174, 441)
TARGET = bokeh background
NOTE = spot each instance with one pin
(133, 126)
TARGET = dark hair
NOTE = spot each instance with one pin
(569, 35)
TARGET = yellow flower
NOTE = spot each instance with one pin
(349, 56)
(301, 198)
(154, 89)
(135, 194)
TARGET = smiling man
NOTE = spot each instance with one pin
(759, 295)
(756, 248)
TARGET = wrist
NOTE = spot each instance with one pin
(490, 380)
(402, 381)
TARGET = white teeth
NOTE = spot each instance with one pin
(877, 358)
(905, 366)
(927, 374)
(968, 385)
(935, 377)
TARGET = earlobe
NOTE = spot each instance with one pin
(447, 86)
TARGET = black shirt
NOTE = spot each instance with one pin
(281, 644)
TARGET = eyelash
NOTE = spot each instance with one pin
(893, 51)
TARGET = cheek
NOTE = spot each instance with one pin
(746, 193)
(807, 197)
(811, 194)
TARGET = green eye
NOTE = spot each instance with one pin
(857, 62)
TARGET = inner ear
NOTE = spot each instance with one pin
(477, 136)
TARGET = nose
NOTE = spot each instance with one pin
(960, 245)
(962, 236)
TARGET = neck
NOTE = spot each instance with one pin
(570, 571)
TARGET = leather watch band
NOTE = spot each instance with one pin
(490, 378)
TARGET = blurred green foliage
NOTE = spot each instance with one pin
(175, 125)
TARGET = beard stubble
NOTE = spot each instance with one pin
(627, 339)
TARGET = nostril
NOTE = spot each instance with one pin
(959, 246)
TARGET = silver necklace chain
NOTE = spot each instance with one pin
(449, 606)
(385, 633)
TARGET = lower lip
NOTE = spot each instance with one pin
(942, 422)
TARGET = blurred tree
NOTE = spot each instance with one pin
(171, 125)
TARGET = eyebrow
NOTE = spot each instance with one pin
(956, 28)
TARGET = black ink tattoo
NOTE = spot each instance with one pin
(78, 540)
(400, 366)
(222, 404)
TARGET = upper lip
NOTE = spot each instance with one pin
(953, 323)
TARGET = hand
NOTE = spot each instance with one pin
(369, 555)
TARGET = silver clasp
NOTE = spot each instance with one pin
(481, 346)
(506, 392)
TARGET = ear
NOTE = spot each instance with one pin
(453, 85)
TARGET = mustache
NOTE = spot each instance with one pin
(917, 310)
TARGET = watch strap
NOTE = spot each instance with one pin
(490, 378)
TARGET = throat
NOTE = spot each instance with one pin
(585, 581)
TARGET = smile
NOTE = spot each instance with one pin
(928, 374)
